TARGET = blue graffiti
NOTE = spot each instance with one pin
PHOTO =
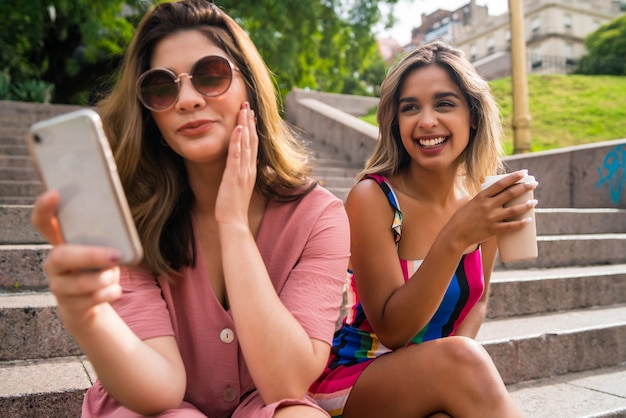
(613, 172)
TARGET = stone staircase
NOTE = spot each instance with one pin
(556, 326)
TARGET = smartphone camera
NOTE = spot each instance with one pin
(37, 139)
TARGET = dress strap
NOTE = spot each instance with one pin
(387, 188)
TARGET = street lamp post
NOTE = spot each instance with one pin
(521, 114)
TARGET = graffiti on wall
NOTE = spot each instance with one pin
(613, 172)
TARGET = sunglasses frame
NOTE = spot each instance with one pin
(177, 79)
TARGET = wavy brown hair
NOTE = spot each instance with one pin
(482, 155)
(153, 176)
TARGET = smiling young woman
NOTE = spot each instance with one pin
(422, 251)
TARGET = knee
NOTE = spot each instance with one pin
(470, 363)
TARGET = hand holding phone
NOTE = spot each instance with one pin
(72, 155)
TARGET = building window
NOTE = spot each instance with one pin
(535, 25)
(473, 53)
(595, 25)
(535, 58)
(491, 45)
(569, 55)
(567, 22)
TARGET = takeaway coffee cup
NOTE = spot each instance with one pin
(521, 244)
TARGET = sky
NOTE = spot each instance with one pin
(408, 14)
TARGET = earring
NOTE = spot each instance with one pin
(163, 142)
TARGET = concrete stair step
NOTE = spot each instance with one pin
(599, 393)
(537, 346)
(566, 221)
(336, 182)
(15, 226)
(16, 162)
(19, 200)
(20, 188)
(533, 291)
(13, 136)
(323, 171)
(14, 150)
(31, 328)
(18, 174)
(573, 250)
(44, 388)
(22, 268)
(339, 192)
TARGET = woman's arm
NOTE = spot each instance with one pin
(397, 311)
(283, 360)
(144, 376)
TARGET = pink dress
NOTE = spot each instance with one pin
(305, 247)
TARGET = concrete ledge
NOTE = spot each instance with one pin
(353, 138)
(348, 103)
(583, 176)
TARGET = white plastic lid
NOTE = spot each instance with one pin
(489, 180)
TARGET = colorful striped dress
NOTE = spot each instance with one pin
(355, 345)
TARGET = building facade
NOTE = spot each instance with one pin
(554, 31)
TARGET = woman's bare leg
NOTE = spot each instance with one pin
(454, 375)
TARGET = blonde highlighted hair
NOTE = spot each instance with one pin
(154, 177)
(482, 155)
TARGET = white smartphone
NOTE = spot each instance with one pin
(72, 155)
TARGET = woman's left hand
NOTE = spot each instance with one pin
(239, 179)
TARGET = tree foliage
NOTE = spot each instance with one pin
(68, 44)
(70, 47)
(606, 49)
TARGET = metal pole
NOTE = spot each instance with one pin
(521, 114)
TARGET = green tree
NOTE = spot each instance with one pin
(324, 45)
(71, 45)
(606, 49)
(75, 46)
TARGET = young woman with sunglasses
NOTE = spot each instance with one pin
(422, 250)
(231, 312)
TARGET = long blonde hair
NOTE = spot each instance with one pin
(154, 177)
(482, 155)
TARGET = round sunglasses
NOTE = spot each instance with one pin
(158, 88)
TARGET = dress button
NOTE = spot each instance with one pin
(227, 335)
(229, 394)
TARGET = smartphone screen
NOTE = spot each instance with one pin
(73, 156)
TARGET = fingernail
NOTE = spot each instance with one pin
(115, 257)
(528, 220)
(246, 105)
(533, 202)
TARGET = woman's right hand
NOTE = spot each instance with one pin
(485, 215)
(80, 277)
